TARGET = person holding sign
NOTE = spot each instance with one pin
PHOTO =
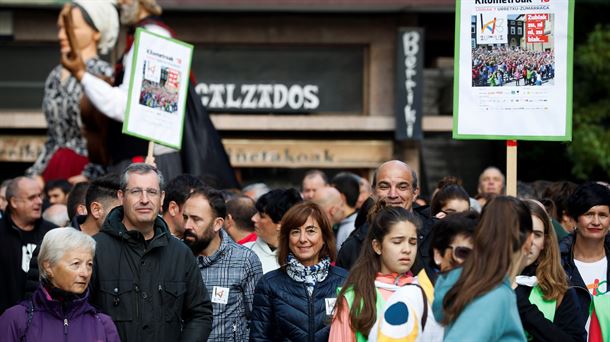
(191, 131)
(111, 100)
(585, 256)
(93, 26)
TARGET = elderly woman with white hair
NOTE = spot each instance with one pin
(59, 309)
(95, 24)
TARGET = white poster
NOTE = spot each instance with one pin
(513, 69)
(158, 89)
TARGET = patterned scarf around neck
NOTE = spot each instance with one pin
(310, 275)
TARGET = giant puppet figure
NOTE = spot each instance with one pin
(93, 27)
(202, 151)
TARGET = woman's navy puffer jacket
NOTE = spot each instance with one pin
(283, 310)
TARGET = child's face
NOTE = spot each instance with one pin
(398, 248)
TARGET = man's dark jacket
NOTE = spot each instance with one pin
(351, 248)
(13, 278)
(152, 289)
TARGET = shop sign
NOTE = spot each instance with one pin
(268, 97)
(307, 153)
(280, 79)
(252, 152)
(409, 84)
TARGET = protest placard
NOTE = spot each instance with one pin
(513, 70)
(158, 89)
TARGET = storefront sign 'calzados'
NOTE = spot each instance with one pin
(259, 97)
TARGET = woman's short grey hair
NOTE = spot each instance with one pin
(57, 242)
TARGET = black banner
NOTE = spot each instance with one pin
(409, 83)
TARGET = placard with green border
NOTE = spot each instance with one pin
(158, 87)
(513, 70)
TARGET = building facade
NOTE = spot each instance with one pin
(290, 86)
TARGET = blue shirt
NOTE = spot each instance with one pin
(492, 316)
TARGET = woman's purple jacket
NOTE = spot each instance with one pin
(51, 320)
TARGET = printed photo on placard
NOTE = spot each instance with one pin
(160, 87)
(513, 50)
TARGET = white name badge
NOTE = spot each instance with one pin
(220, 295)
(330, 306)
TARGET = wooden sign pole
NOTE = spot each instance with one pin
(150, 159)
(511, 168)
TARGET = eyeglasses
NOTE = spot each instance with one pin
(460, 252)
(137, 192)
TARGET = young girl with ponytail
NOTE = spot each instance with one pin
(384, 267)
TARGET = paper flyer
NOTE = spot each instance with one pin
(513, 70)
(158, 89)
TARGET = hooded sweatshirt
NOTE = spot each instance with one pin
(492, 316)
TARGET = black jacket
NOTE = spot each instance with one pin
(566, 247)
(283, 310)
(152, 289)
(350, 250)
(13, 277)
(568, 324)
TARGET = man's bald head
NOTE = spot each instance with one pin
(58, 214)
(491, 181)
(312, 182)
(396, 183)
(329, 199)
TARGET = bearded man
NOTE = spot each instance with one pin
(230, 271)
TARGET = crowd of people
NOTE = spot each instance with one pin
(506, 65)
(97, 253)
(156, 96)
(141, 259)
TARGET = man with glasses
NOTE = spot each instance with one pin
(21, 231)
(146, 280)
